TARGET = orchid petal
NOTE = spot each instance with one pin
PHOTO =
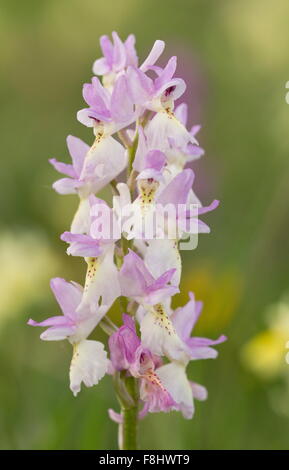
(66, 186)
(88, 365)
(67, 294)
(181, 113)
(64, 168)
(77, 149)
(153, 56)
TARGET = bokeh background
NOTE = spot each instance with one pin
(234, 56)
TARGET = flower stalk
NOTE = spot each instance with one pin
(149, 352)
(128, 432)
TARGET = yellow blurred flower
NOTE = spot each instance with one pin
(265, 353)
(26, 265)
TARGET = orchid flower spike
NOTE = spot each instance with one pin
(130, 237)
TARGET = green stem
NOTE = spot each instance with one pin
(128, 439)
(125, 245)
(131, 155)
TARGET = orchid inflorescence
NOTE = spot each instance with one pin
(137, 129)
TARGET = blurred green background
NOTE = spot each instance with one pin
(234, 57)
